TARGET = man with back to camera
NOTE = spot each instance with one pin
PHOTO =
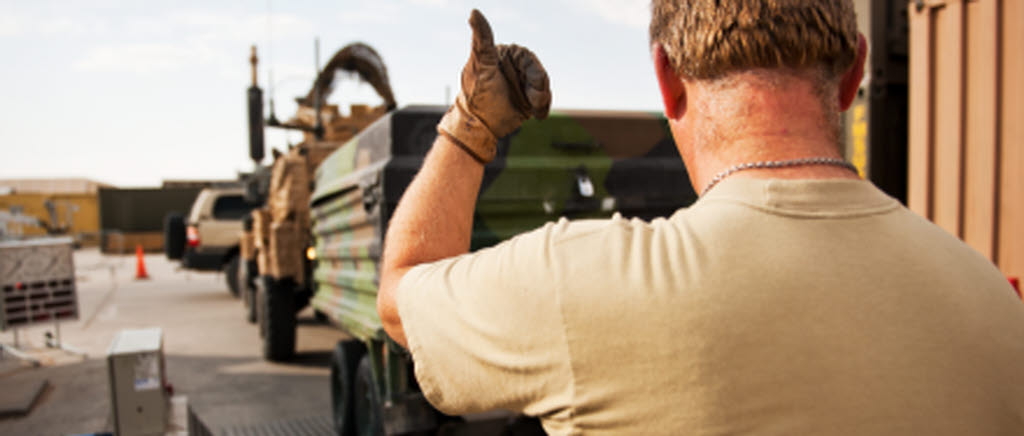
(791, 298)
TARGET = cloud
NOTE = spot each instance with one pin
(435, 3)
(629, 13)
(15, 24)
(11, 25)
(139, 57)
(375, 12)
(186, 39)
(225, 27)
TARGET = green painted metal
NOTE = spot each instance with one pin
(563, 166)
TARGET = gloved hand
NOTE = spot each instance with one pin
(502, 86)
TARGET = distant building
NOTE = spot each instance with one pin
(199, 184)
(95, 213)
(60, 206)
(70, 185)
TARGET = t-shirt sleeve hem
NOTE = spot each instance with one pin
(407, 299)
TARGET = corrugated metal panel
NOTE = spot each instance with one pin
(966, 123)
(980, 126)
(348, 252)
(1010, 252)
(921, 108)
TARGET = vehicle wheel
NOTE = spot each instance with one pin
(366, 402)
(249, 290)
(302, 298)
(262, 284)
(278, 320)
(174, 235)
(320, 316)
(344, 366)
(231, 274)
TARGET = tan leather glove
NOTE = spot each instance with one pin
(502, 86)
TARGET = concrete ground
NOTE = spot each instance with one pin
(212, 354)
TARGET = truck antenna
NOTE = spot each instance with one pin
(272, 119)
(318, 129)
(254, 60)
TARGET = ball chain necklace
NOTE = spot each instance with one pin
(771, 164)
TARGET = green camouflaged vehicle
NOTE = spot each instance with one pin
(579, 164)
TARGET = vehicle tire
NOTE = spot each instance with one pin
(302, 297)
(262, 284)
(247, 277)
(319, 316)
(231, 274)
(366, 401)
(279, 320)
(344, 366)
(174, 235)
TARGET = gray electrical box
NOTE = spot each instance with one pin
(138, 399)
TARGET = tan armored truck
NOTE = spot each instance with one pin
(276, 242)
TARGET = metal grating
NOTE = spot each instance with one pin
(308, 426)
(321, 425)
(37, 282)
(39, 301)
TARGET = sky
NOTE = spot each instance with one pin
(132, 93)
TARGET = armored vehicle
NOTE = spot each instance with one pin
(274, 274)
(575, 164)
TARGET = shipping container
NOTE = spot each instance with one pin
(966, 123)
(130, 217)
(875, 127)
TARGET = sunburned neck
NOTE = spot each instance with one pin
(754, 124)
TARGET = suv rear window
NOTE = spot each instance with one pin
(231, 207)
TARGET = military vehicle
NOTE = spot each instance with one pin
(207, 239)
(576, 164)
(275, 273)
(875, 127)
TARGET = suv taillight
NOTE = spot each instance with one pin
(192, 236)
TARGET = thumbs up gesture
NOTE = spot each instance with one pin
(502, 86)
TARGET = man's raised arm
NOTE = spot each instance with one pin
(501, 87)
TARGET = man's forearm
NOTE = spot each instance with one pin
(433, 221)
(434, 218)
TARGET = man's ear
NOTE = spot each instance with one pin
(673, 93)
(850, 81)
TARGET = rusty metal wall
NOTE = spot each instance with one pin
(967, 123)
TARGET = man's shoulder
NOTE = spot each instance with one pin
(566, 231)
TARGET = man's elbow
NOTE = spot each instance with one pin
(387, 304)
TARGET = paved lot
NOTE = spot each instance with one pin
(212, 352)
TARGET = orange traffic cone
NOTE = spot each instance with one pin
(140, 264)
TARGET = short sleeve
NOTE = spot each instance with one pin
(485, 329)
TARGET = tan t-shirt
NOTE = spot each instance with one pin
(768, 307)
